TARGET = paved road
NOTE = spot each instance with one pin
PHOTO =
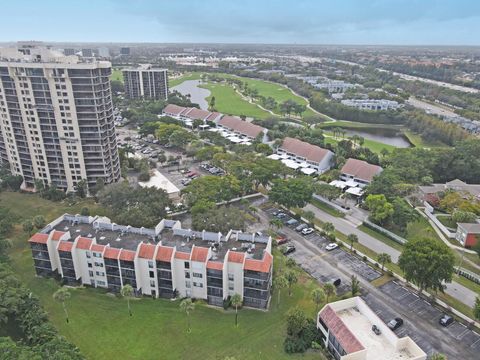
(421, 325)
(454, 289)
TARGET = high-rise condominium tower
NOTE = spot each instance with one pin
(146, 82)
(56, 118)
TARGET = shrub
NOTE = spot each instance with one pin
(85, 211)
(144, 176)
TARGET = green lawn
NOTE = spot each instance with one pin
(325, 207)
(379, 236)
(227, 101)
(375, 146)
(100, 325)
(447, 221)
(417, 141)
(187, 76)
(117, 75)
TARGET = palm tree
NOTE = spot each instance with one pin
(438, 357)
(280, 282)
(187, 306)
(62, 295)
(355, 285)
(309, 216)
(291, 279)
(352, 238)
(318, 296)
(236, 300)
(330, 290)
(383, 259)
(328, 227)
(290, 263)
(127, 293)
(277, 223)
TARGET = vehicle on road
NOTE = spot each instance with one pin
(288, 249)
(307, 231)
(301, 227)
(376, 330)
(331, 246)
(394, 324)
(445, 320)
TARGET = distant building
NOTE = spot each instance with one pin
(359, 171)
(468, 234)
(57, 123)
(166, 261)
(125, 51)
(346, 330)
(69, 51)
(306, 155)
(373, 105)
(455, 185)
(334, 86)
(104, 52)
(146, 82)
(87, 52)
(188, 114)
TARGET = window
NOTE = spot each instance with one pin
(152, 283)
(230, 277)
(187, 275)
(101, 283)
(98, 264)
(100, 273)
(90, 265)
(187, 284)
(88, 254)
(230, 287)
(97, 255)
(197, 275)
(151, 274)
(200, 285)
(150, 265)
(186, 264)
(90, 273)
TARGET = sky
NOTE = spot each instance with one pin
(377, 22)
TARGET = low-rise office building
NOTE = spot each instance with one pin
(374, 105)
(334, 86)
(468, 234)
(166, 261)
(359, 173)
(346, 329)
(308, 156)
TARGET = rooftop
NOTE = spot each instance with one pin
(304, 149)
(361, 169)
(243, 127)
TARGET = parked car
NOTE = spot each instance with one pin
(307, 231)
(185, 182)
(292, 222)
(335, 282)
(394, 324)
(191, 174)
(376, 330)
(331, 246)
(288, 249)
(280, 215)
(301, 227)
(445, 320)
(281, 240)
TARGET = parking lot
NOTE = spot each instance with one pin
(390, 300)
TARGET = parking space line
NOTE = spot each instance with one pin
(466, 331)
(475, 343)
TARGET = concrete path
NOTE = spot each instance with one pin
(454, 289)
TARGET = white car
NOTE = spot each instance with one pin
(331, 246)
(307, 231)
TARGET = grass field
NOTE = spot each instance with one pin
(227, 101)
(116, 75)
(100, 325)
(188, 76)
(375, 146)
(325, 207)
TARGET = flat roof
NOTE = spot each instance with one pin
(116, 239)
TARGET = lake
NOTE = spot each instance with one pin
(384, 136)
(197, 94)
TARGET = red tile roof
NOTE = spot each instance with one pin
(127, 255)
(39, 238)
(182, 255)
(198, 114)
(65, 246)
(164, 253)
(304, 149)
(173, 109)
(199, 254)
(243, 127)
(146, 251)
(236, 257)
(84, 243)
(215, 265)
(57, 235)
(111, 253)
(342, 333)
(97, 248)
(213, 116)
(361, 169)
(259, 265)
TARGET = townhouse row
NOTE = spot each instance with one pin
(166, 261)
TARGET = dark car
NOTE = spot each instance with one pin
(335, 282)
(288, 249)
(445, 320)
(376, 330)
(394, 324)
(301, 227)
(292, 222)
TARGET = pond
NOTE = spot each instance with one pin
(197, 94)
(384, 136)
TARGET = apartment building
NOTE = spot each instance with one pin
(358, 172)
(56, 118)
(146, 82)
(346, 329)
(302, 155)
(125, 51)
(333, 86)
(166, 261)
(374, 105)
(189, 114)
